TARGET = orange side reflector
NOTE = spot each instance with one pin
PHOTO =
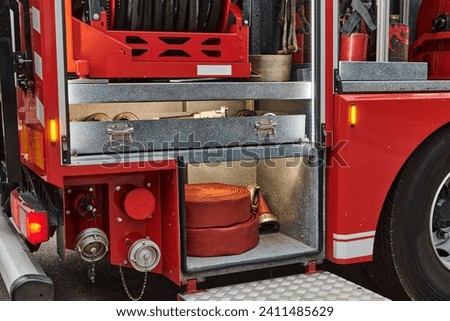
(53, 130)
(353, 115)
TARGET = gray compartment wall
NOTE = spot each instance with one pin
(290, 107)
(151, 110)
(241, 173)
(290, 186)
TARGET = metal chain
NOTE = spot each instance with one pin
(144, 285)
(91, 272)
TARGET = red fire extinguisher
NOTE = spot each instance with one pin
(356, 21)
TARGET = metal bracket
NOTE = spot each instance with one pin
(266, 128)
(20, 58)
(65, 150)
(311, 268)
(337, 81)
(121, 133)
(94, 10)
(22, 66)
(247, 12)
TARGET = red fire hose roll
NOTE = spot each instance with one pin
(219, 220)
(216, 205)
(221, 241)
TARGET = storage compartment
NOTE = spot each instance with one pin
(243, 131)
(207, 128)
(405, 53)
(254, 142)
(289, 185)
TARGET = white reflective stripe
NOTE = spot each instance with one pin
(36, 17)
(40, 111)
(38, 65)
(13, 30)
(353, 249)
(343, 237)
(61, 66)
(214, 70)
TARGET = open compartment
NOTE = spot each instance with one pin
(392, 46)
(289, 186)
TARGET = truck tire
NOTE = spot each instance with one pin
(410, 261)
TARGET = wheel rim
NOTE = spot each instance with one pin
(440, 222)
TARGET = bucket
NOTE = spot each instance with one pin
(271, 67)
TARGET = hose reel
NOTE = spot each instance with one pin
(145, 38)
(167, 15)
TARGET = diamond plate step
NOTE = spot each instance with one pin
(323, 286)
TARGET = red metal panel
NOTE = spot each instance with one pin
(433, 48)
(46, 86)
(134, 54)
(429, 10)
(366, 158)
(162, 227)
(31, 131)
(433, 38)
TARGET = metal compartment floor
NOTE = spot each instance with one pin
(277, 246)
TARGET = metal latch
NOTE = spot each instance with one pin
(20, 58)
(23, 69)
(121, 133)
(266, 128)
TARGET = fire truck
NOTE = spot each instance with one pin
(200, 138)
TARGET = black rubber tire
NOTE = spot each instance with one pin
(405, 265)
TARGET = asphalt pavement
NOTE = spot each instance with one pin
(72, 283)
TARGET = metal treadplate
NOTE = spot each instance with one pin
(322, 286)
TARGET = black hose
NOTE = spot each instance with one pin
(168, 15)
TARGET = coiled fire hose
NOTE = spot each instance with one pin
(222, 219)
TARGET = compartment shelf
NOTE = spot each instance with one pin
(277, 246)
(101, 91)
